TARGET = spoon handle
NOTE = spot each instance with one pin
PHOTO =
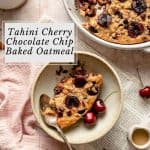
(64, 138)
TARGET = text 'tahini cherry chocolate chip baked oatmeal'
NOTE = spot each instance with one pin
(117, 21)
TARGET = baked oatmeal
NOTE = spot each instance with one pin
(73, 97)
(117, 21)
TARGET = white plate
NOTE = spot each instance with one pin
(74, 14)
(46, 81)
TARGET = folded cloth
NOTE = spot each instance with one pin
(18, 127)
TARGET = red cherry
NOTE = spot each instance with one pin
(145, 92)
(90, 118)
(99, 106)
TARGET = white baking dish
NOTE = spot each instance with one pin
(73, 13)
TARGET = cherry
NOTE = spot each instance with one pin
(135, 29)
(139, 6)
(145, 92)
(104, 20)
(99, 106)
(80, 81)
(90, 118)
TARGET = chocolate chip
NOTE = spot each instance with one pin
(65, 71)
(126, 23)
(93, 90)
(60, 112)
(119, 14)
(122, 0)
(143, 16)
(92, 29)
(82, 111)
(69, 113)
(58, 89)
(72, 101)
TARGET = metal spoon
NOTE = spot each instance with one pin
(52, 121)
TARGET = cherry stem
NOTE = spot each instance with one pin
(139, 77)
(110, 95)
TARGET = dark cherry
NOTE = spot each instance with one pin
(145, 92)
(139, 6)
(90, 118)
(92, 90)
(72, 101)
(104, 20)
(135, 29)
(99, 106)
(80, 81)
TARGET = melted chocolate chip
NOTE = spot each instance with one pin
(139, 6)
(58, 89)
(92, 90)
(69, 113)
(78, 70)
(122, 0)
(79, 81)
(82, 111)
(72, 101)
(104, 20)
(143, 16)
(91, 12)
(126, 23)
(89, 1)
(119, 14)
(92, 29)
(60, 112)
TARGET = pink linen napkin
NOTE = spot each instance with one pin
(18, 127)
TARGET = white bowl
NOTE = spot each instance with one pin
(74, 14)
(46, 81)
